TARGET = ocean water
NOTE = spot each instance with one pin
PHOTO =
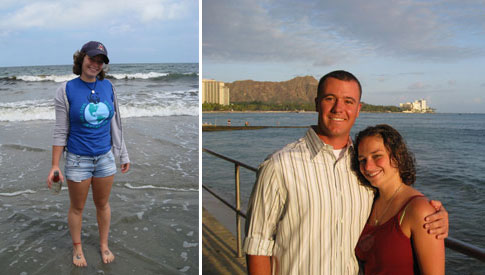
(154, 226)
(144, 90)
(448, 148)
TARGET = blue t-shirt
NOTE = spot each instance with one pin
(89, 116)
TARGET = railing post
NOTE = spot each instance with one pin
(238, 218)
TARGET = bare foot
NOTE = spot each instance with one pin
(78, 256)
(107, 255)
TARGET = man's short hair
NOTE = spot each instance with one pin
(340, 75)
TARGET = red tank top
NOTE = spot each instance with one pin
(384, 249)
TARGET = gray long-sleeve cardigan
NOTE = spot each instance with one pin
(61, 129)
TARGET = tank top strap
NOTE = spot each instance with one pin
(402, 211)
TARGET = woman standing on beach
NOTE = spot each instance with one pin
(88, 128)
(393, 240)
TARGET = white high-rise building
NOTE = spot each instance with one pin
(214, 92)
(418, 106)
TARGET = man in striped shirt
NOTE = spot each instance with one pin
(307, 209)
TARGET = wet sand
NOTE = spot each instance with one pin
(154, 226)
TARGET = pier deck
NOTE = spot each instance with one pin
(219, 248)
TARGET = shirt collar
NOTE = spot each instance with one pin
(315, 144)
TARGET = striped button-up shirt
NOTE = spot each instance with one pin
(307, 210)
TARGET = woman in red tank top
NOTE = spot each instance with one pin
(393, 240)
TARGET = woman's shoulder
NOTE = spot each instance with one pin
(105, 81)
(74, 80)
(61, 90)
(106, 84)
(419, 207)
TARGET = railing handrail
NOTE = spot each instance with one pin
(230, 160)
(451, 243)
(228, 204)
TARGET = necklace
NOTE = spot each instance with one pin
(387, 207)
(92, 90)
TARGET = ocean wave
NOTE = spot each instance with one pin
(117, 76)
(137, 75)
(27, 110)
(129, 186)
(154, 111)
(44, 110)
(40, 78)
(153, 76)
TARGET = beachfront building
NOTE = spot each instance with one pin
(418, 106)
(214, 92)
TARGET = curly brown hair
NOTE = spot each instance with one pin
(395, 145)
(77, 68)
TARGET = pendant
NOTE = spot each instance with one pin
(92, 91)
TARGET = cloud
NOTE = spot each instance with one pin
(329, 32)
(451, 82)
(416, 29)
(123, 28)
(418, 86)
(248, 31)
(56, 15)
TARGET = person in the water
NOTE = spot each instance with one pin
(88, 128)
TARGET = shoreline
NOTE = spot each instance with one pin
(213, 128)
(261, 112)
(269, 112)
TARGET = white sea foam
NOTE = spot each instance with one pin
(140, 215)
(17, 246)
(44, 110)
(14, 262)
(55, 78)
(27, 110)
(154, 111)
(122, 197)
(27, 114)
(13, 194)
(67, 77)
(127, 185)
(187, 244)
(138, 75)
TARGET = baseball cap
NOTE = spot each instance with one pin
(93, 48)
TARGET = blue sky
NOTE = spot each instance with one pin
(145, 31)
(400, 50)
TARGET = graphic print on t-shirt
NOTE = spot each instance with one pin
(95, 113)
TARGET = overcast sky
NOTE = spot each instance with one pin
(400, 50)
(144, 31)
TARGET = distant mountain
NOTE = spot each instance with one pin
(297, 90)
(296, 94)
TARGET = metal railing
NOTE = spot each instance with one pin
(451, 243)
(236, 208)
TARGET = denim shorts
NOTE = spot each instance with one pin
(79, 168)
